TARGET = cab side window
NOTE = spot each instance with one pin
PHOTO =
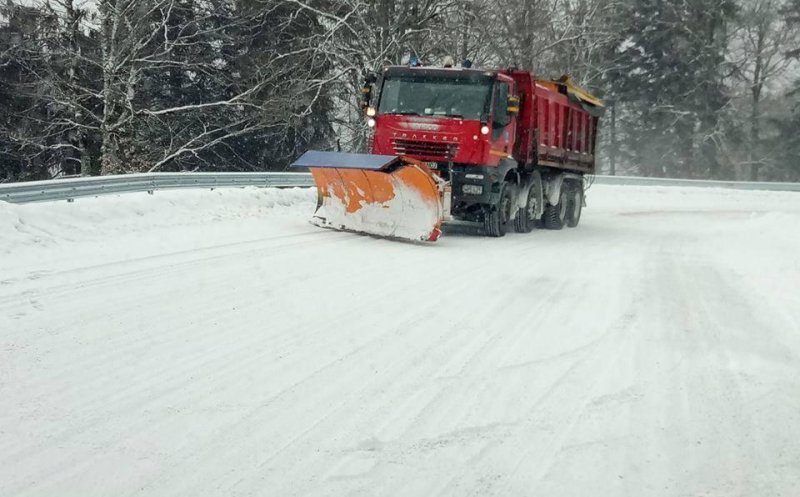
(501, 116)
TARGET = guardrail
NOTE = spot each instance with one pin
(69, 189)
(738, 185)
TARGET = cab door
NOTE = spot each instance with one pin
(503, 122)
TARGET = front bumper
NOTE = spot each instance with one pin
(475, 185)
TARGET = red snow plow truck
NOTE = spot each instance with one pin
(495, 147)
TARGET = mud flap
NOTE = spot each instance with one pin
(376, 194)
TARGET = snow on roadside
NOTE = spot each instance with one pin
(98, 218)
(685, 199)
(103, 229)
(98, 230)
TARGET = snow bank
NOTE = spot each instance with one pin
(112, 227)
(692, 199)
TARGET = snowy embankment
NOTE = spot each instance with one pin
(216, 343)
(60, 235)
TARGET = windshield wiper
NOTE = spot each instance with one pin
(454, 115)
(404, 113)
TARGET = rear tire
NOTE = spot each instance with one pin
(527, 216)
(575, 208)
(495, 221)
(555, 216)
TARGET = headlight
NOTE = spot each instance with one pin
(472, 189)
(484, 130)
(371, 122)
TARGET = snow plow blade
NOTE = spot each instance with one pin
(379, 195)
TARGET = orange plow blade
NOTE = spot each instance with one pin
(375, 194)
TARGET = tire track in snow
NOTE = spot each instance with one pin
(111, 274)
(528, 447)
(406, 380)
(707, 389)
(430, 305)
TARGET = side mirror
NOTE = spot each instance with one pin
(513, 106)
(366, 91)
(366, 97)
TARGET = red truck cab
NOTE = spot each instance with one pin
(503, 139)
(441, 115)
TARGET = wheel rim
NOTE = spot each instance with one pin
(532, 205)
(562, 209)
(505, 208)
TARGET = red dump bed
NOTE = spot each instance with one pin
(558, 122)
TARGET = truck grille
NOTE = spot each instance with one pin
(424, 148)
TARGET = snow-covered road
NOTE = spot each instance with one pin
(202, 343)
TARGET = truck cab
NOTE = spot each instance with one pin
(442, 115)
(461, 122)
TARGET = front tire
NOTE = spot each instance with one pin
(555, 216)
(497, 217)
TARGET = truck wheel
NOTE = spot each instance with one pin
(555, 216)
(496, 219)
(575, 208)
(526, 217)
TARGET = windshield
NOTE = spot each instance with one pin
(466, 96)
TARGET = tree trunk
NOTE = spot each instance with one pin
(755, 109)
(109, 150)
(76, 137)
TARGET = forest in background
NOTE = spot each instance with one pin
(694, 88)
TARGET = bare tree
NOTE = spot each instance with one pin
(365, 35)
(760, 57)
(152, 84)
